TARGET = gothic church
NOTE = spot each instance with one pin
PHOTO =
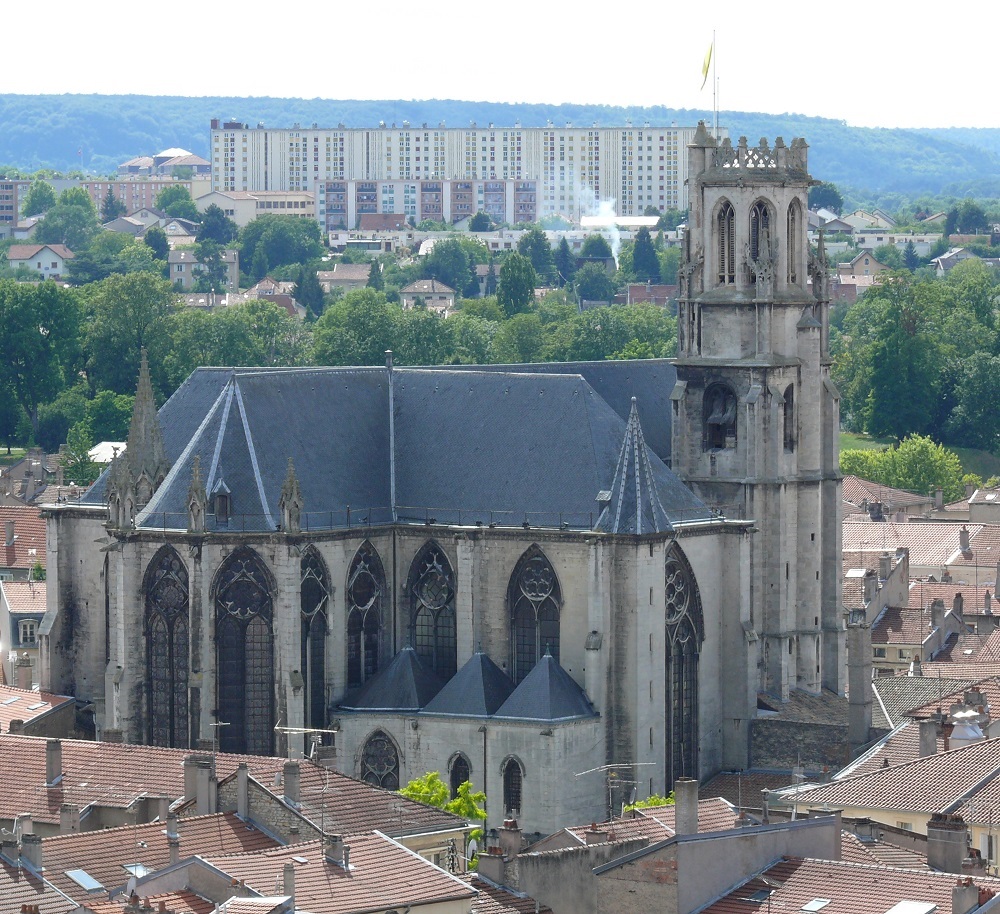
(511, 574)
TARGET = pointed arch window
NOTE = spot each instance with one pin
(685, 632)
(534, 599)
(725, 232)
(760, 231)
(432, 610)
(513, 781)
(314, 601)
(167, 638)
(719, 417)
(244, 643)
(365, 594)
(380, 761)
(793, 245)
(788, 417)
(459, 773)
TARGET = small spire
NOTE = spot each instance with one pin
(197, 498)
(145, 451)
(290, 502)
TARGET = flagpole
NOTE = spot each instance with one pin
(715, 90)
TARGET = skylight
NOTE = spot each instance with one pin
(912, 907)
(136, 869)
(817, 904)
(86, 882)
(10, 701)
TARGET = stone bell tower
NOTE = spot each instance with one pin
(755, 413)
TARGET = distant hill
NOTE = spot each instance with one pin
(97, 132)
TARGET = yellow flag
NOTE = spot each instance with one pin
(707, 64)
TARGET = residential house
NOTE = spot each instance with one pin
(862, 219)
(23, 545)
(345, 276)
(185, 267)
(862, 270)
(29, 712)
(22, 608)
(429, 293)
(46, 260)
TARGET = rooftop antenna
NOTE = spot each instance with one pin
(613, 780)
(215, 742)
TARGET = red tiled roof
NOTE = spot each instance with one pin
(104, 854)
(970, 646)
(896, 625)
(744, 788)
(989, 688)
(24, 596)
(19, 887)
(960, 669)
(879, 853)
(180, 902)
(930, 543)
(984, 549)
(899, 747)
(925, 785)
(27, 251)
(29, 534)
(852, 888)
(426, 287)
(107, 774)
(383, 875)
(923, 593)
(25, 705)
(857, 490)
(492, 899)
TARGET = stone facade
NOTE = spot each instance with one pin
(666, 616)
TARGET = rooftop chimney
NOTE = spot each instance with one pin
(938, 498)
(988, 603)
(243, 791)
(686, 806)
(859, 678)
(957, 604)
(510, 838)
(69, 819)
(22, 671)
(884, 566)
(595, 835)
(173, 838)
(870, 586)
(291, 775)
(206, 787)
(8, 533)
(288, 877)
(928, 738)
(333, 849)
(937, 611)
(53, 762)
(963, 540)
(915, 668)
(946, 842)
(964, 896)
(31, 850)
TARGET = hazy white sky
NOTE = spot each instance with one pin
(877, 64)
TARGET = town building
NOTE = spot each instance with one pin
(185, 268)
(515, 174)
(48, 261)
(509, 574)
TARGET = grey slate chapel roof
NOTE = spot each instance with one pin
(476, 690)
(452, 446)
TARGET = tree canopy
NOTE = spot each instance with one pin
(916, 464)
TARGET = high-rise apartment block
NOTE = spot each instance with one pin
(516, 174)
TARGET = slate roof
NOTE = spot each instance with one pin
(383, 875)
(478, 689)
(103, 854)
(406, 684)
(455, 443)
(547, 693)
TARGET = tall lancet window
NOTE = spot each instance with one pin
(431, 587)
(685, 631)
(760, 231)
(725, 232)
(244, 654)
(365, 595)
(534, 599)
(314, 601)
(794, 244)
(167, 638)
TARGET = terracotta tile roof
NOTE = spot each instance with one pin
(347, 805)
(984, 550)
(25, 705)
(104, 854)
(923, 593)
(970, 646)
(27, 251)
(925, 785)
(493, 899)
(898, 747)
(383, 875)
(851, 888)
(107, 774)
(18, 886)
(972, 670)
(346, 272)
(857, 490)
(984, 496)
(24, 596)
(714, 814)
(894, 696)
(29, 536)
(896, 625)
(930, 543)
(879, 853)
(744, 787)
(180, 902)
(827, 708)
(427, 287)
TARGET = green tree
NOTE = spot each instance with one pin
(645, 263)
(175, 200)
(375, 280)
(826, 196)
(671, 219)
(308, 291)
(77, 196)
(79, 468)
(520, 339)
(595, 247)
(281, 239)
(99, 259)
(215, 276)
(356, 330)
(217, 226)
(670, 261)
(41, 342)
(516, 285)
(14, 427)
(594, 284)
(128, 313)
(480, 222)
(535, 246)
(109, 415)
(448, 262)
(69, 224)
(156, 240)
(965, 218)
(428, 789)
(40, 198)
(910, 258)
(652, 801)
(974, 421)
(112, 207)
(916, 464)
(564, 262)
(890, 256)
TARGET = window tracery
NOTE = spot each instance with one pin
(314, 598)
(432, 610)
(380, 762)
(794, 242)
(513, 778)
(685, 632)
(760, 231)
(365, 592)
(245, 654)
(167, 661)
(726, 236)
(534, 599)
(459, 774)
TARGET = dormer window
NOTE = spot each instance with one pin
(221, 502)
